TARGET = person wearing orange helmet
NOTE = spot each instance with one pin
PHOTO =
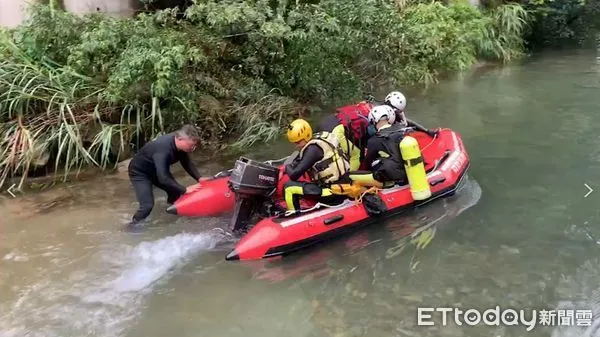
(322, 157)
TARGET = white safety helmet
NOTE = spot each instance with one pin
(380, 111)
(396, 99)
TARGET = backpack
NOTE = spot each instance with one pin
(355, 119)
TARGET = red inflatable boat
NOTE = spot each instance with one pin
(446, 164)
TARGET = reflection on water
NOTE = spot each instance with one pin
(417, 229)
(519, 234)
(580, 292)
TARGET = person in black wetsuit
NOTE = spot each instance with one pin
(151, 167)
(397, 101)
(321, 157)
(383, 157)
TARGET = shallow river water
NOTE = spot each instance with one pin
(521, 234)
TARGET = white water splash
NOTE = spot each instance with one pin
(150, 261)
(16, 256)
(104, 298)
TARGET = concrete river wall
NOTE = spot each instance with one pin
(14, 12)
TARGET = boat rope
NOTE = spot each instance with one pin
(433, 140)
(316, 206)
(373, 189)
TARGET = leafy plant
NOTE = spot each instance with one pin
(78, 91)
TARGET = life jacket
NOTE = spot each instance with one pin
(334, 163)
(390, 163)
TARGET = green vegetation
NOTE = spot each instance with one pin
(78, 90)
(562, 23)
(557, 23)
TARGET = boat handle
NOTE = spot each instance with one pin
(435, 182)
(333, 219)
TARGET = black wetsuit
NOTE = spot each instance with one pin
(311, 155)
(386, 140)
(151, 166)
(411, 123)
(419, 127)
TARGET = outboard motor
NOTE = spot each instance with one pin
(253, 183)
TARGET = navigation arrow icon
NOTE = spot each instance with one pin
(589, 192)
(9, 190)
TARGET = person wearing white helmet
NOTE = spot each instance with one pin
(383, 156)
(397, 101)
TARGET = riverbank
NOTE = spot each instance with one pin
(79, 91)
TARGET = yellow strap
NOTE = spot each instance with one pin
(354, 191)
(351, 190)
